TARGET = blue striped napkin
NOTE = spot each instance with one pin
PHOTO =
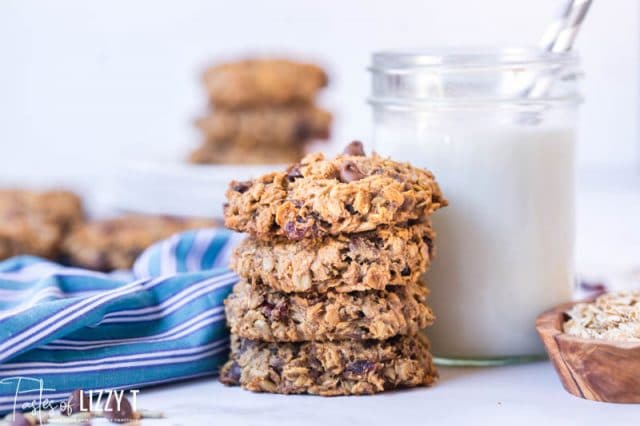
(65, 328)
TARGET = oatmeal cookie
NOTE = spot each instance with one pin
(207, 154)
(259, 313)
(262, 82)
(274, 127)
(35, 223)
(347, 262)
(329, 368)
(111, 244)
(318, 197)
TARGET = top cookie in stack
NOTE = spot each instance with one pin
(263, 112)
(318, 197)
(330, 300)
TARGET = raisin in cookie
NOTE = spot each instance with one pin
(35, 223)
(319, 197)
(329, 368)
(111, 244)
(275, 127)
(259, 313)
(367, 260)
(262, 82)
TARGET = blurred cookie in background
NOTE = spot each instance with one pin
(283, 126)
(263, 112)
(35, 222)
(263, 82)
(111, 244)
(231, 154)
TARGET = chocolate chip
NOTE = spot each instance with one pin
(78, 401)
(595, 286)
(266, 307)
(360, 367)
(370, 343)
(245, 345)
(408, 204)
(118, 411)
(277, 363)
(302, 130)
(282, 311)
(388, 384)
(349, 172)
(295, 231)
(241, 187)
(429, 242)
(349, 208)
(295, 351)
(277, 312)
(234, 373)
(315, 368)
(293, 172)
(405, 272)
(19, 419)
(354, 148)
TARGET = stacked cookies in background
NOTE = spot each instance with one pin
(329, 300)
(36, 222)
(115, 243)
(263, 112)
(52, 225)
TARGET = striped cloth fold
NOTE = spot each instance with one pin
(65, 328)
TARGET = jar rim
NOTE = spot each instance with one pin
(467, 57)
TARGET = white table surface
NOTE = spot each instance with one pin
(528, 394)
(608, 244)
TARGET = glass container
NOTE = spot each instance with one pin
(497, 127)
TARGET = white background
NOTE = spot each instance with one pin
(85, 85)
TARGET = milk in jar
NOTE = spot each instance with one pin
(506, 165)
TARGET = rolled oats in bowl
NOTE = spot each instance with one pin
(612, 316)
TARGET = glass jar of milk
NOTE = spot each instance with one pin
(497, 128)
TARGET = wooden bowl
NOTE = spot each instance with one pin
(598, 370)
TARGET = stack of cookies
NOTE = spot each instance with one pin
(263, 112)
(330, 300)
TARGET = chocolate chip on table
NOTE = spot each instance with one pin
(354, 148)
(78, 401)
(596, 287)
(115, 413)
(349, 172)
(241, 187)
